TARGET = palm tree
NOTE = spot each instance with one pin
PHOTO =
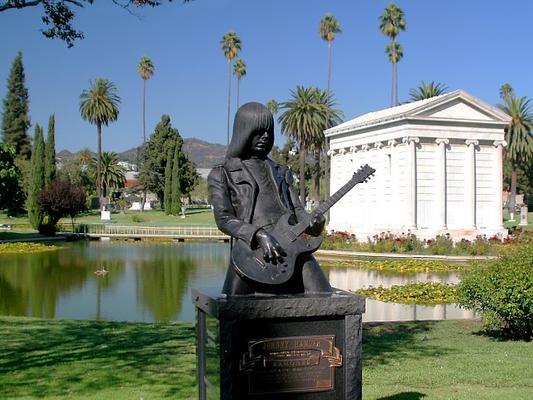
(231, 45)
(329, 27)
(99, 106)
(427, 90)
(302, 121)
(146, 69)
(239, 70)
(391, 22)
(519, 138)
(113, 174)
(506, 90)
(394, 51)
(273, 106)
(85, 156)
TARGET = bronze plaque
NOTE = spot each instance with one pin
(291, 364)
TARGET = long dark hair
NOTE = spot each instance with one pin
(250, 118)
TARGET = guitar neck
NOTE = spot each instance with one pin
(326, 205)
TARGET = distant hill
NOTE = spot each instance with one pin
(203, 154)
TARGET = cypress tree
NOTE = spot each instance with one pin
(176, 193)
(167, 201)
(37, 179)
(50, 153)
(154, 157)
(15, 118)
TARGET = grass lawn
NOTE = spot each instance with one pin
(511, 224)
(443, 360)
(193, 217)
(91, 360)
(105, 360)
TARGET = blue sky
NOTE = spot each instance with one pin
(473, 45)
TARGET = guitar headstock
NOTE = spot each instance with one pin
(363, 174)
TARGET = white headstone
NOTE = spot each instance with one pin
(523, 215)
(105, 215)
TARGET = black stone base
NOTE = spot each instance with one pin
(298, 347)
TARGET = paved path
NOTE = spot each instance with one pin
(363, 254)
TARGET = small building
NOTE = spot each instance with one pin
(438, 168)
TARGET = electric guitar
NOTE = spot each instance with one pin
(250, 263)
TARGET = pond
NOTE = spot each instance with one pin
(150, 281)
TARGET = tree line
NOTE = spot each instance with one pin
(303, 117)
(31, 182)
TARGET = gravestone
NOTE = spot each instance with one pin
(105, 215)
(523, 215)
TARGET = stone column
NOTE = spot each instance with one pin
(440, 183)
(330, 154)
(498, 182)
(392, 209)
(470, 183)
(411, 142)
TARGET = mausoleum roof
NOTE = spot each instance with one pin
(460, 106)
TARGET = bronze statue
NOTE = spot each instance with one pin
(255, 203)
(249, 194)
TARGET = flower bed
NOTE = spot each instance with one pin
(387, 242)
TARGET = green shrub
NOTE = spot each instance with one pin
(137, 218)
(342, 241)
(441, 245)
(502, 292)
(390, 243)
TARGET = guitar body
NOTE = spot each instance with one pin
(250, 263)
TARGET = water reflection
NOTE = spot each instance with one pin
(144, 282)
(150, 281)
(353, 279)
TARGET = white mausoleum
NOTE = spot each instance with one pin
(438, 169)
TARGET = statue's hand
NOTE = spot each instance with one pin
(271, 248)
(317, 225)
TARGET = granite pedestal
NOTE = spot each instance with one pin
(298, 347)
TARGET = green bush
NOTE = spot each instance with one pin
(137, 218)
(502, 292)
(387, 242)
(441, 245)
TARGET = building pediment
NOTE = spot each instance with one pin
(456, 108)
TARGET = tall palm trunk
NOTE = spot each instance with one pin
(238, 90)
(316, 174)
(98, 165)
(326, 125)
(512, 197)
(395, 69)
(144, 111)
(394, 99)
(229, 97)
(329, 66)
(392, 85)
(302, 175)
(143, 198)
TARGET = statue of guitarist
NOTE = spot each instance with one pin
(249, 194)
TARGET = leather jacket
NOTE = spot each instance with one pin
(234, 192)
